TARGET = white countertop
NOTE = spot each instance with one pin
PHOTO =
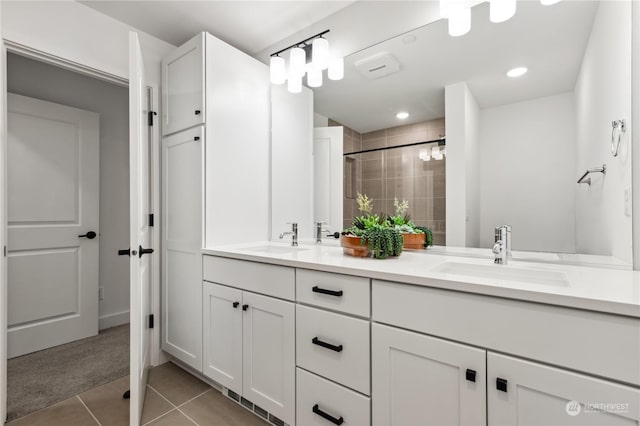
(598, 289)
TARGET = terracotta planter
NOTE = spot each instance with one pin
(352, 246)
(414, 241)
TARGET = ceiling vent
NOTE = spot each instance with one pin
(378, 65)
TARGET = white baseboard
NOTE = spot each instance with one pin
(113, 320)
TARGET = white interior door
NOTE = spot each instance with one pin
(53, 215)
(328, 176)
(141, 235)
(3, 230)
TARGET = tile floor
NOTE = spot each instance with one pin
(173, 398)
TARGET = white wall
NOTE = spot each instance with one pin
(603, 94)
(38, 80)
(320, 120)
(291, 161)
(528, 173)
(462, 204)
(77, 33)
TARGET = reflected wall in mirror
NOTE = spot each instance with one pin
(515, 147)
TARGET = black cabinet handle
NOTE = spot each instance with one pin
(126, 252)
(245, 307)
(471, 375)
(142, 251)
(197, 112)
(235, 304)
(317, 289)
(501, 384)
(90, 235)
(327, 416)
(319, 342)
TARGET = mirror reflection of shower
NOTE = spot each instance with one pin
(405, 163)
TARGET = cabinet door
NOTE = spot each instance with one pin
(222, 335)
(183, 100)
(421, 380)
(181, 246)
(535, 394)
(269, 355)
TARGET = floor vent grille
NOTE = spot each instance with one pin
(255, 409)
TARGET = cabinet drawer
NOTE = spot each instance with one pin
(576, 339)
(342, 293)
(334, 346)
(318, 399)
(272, 280)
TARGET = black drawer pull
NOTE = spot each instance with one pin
(245, 307)
(471, 375)
(501, 384)
(329, 417)
(319, 342)
(197, 112)
(235, 304)
(317, 289)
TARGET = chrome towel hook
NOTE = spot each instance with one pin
(618, 128)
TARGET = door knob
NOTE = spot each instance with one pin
(142, 251)
(90, 235)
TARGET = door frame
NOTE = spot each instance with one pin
(8, 46)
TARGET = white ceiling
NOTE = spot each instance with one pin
(549, 40)
(251, 26)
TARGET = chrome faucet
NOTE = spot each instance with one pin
(502, 245)
(319, 232)
(293, 233)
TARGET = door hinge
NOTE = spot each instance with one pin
(151, 219)
(150, 115)
(151, 321)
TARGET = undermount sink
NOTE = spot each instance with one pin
(275, 249)
(504, 272)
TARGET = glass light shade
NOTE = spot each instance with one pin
(501, 10)
(314, 77)
(277, 70)
(297, 62)
(336, 69)
(424, 154)
(320, 53)
(294, 84)
(444, 8)
(459, 19)
(549, 2)
(435, 153)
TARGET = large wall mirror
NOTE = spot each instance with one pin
(481, 149)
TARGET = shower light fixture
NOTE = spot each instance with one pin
(458, 12)
(402, 115)
(517, 72)
(310, 56)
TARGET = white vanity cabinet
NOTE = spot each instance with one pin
(183, 100)
(211, 92)
(421, 380)
(249, 338)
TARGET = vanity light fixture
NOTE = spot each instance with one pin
(517, 72)
(458, 12)
(402, 115)
(310, 56)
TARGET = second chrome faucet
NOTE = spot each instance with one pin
(502, 245)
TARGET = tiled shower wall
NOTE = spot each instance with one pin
(397, 172)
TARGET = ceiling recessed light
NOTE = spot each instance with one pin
(517, 72)
(402, 115)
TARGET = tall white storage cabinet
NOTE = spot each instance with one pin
(216, 144)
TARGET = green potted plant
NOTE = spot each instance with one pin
(414, 237)
(370, 234)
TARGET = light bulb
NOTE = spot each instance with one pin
(501, 10)
(402, 115)
(517, 72)
(294, 84)
(549, 2)
(336, 69)
(459, 19)
(277, 70)
(320, 53)
(314, 77)
(297, 61)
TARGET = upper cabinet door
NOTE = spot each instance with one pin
(421, 380)
(525, 393)
(183, 100)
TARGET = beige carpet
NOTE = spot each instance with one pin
(44, 378)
